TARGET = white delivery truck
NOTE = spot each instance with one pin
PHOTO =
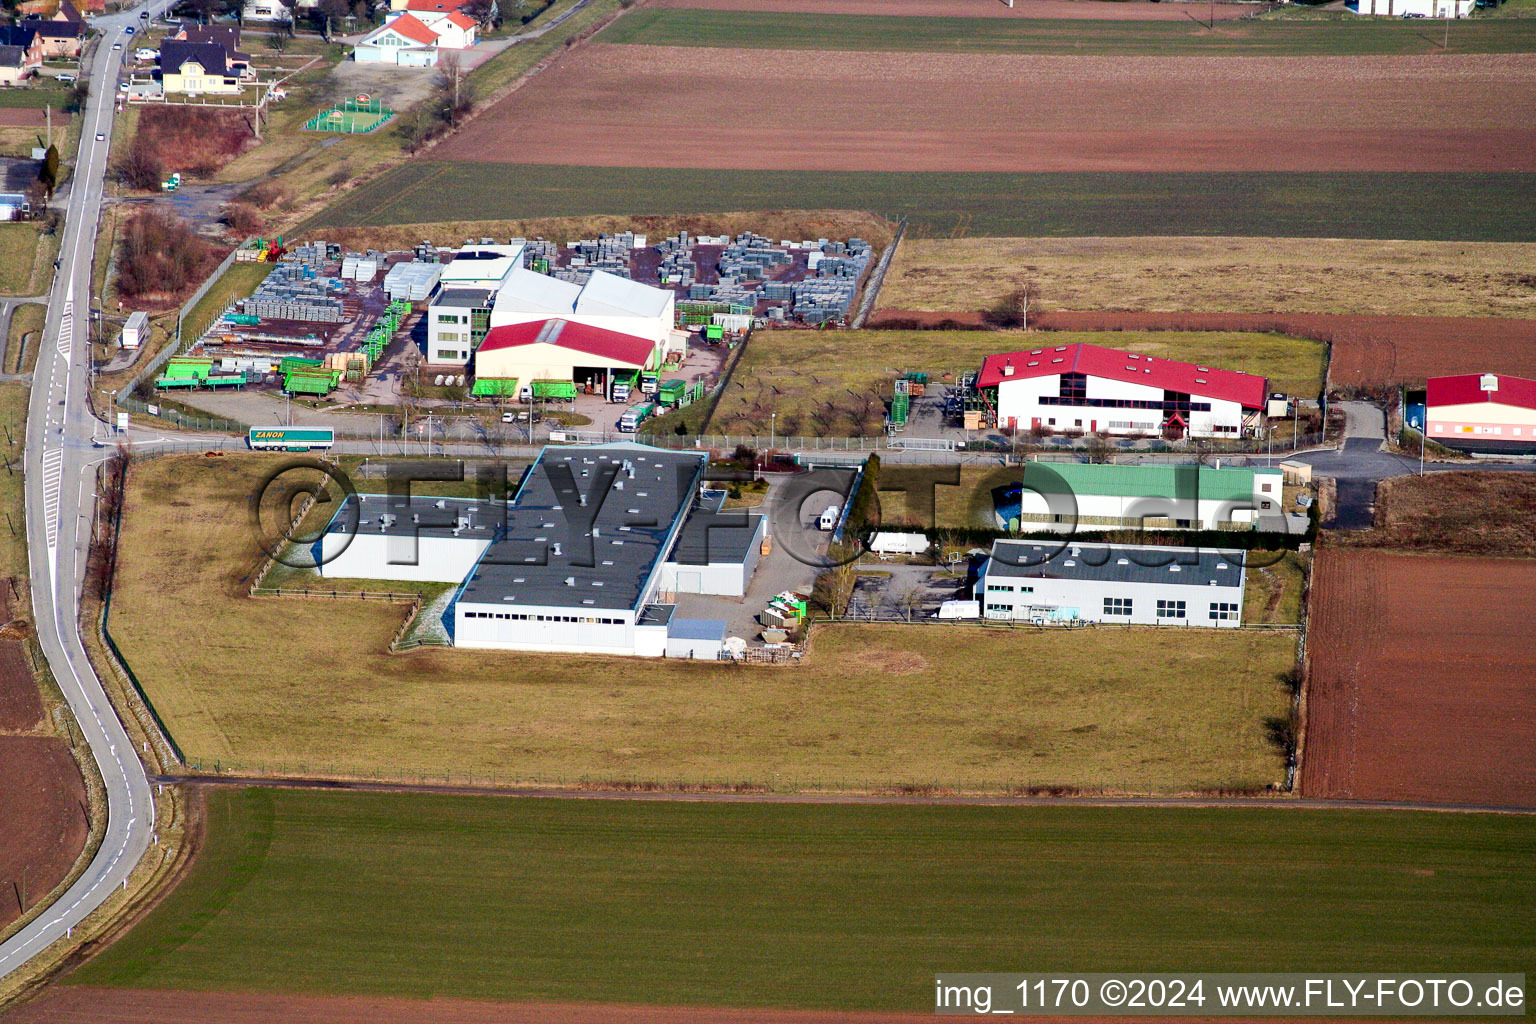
(829, 518)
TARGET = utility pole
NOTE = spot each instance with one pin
(48, 114)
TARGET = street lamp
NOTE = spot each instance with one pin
(773, 426)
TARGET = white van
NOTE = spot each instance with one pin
(829, 518)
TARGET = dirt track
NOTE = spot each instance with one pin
(42, 818)
(72, 1005)
(647, 106)
(1095, 10)
(1423, 682)
(1367, 351)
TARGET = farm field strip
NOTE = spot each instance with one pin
(1252, 275)
(1090, 10)
(1443, 206)
(318, 893)
(1423, 680)
(1182, 35)
(943, 112)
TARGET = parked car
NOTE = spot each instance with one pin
(145, 53)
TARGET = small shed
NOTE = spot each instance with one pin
(696, 639)
(136, 329)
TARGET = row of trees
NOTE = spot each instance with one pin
(452, 99)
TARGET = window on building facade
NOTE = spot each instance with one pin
(1223, 611)
(1117, 606)
(1000, 608)
(1170, 609)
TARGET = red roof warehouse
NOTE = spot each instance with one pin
(1105, 390)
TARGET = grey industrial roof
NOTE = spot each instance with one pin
(587, 527)
(1115, 563)
(697, 629)
(469, 298)
(715, 537)
(12, 56)
(419, 515)
(656, 615)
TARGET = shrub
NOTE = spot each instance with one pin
(160, 254)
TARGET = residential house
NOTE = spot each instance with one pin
(404, 40)
(483, 13)
(25, 37)
(227, 36)
(14, 68)
(58, 38)
(196, 69)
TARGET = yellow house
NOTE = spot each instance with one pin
(197, 69)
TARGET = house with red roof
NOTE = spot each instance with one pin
(413, 39)
(1088, 388)
(1482, 412)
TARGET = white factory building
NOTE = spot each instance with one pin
(1045, 582)
(585, 557)
(1075, 495)
(459, 314)
(1417, 8)
(486, 286)
(1090, 389)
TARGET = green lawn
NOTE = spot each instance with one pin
(772, 30)
(836, 383)
(1457, 207)
(35, 96)
(26, 250)
(845, 907)
(26, 319)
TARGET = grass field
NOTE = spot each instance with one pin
(871, 704)
(26, 319)
(35, 96)
(835, 384)
(518, 899)
(773, 30)
(1273, 593)
(25, 251)
(1258, 275)
(1462, 207)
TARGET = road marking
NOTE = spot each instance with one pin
(53, 482)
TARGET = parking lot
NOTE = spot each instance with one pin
(897, 593)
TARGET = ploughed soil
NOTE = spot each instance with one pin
(648, 106)
(21, 707)
(42, 819)
(1366, 350)
(64, 1004)
(1423, 679)
(1092, 10)
(25, 117)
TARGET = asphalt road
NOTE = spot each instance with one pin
(61, 461)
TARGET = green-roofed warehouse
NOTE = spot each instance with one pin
(1190, 497)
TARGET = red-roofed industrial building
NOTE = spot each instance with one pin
(1087, 388)
(560, 350)
(1488, 412)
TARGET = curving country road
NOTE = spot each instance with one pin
(61, 461)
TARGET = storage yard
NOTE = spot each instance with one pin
(943, 112)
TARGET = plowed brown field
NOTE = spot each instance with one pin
(42, 819)
(1094, 10)
(1423, 679)
(73, 1005)
(1367, 351)
(665, 106)
(21, 707)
